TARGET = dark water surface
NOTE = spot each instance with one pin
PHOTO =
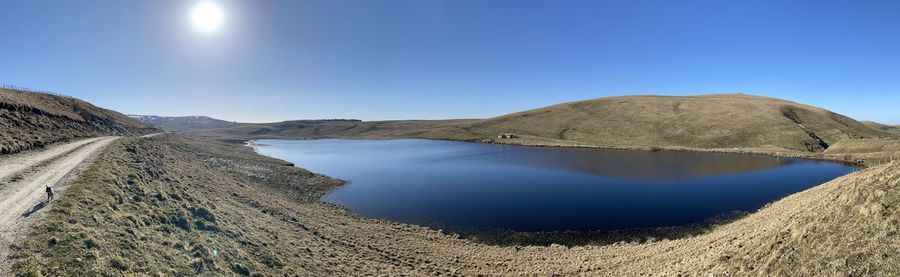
(447, 184)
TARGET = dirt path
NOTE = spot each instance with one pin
(16, 163)
(22, 196)
(152, 135)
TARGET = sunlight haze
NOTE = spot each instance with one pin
(279, 60)
(450, 138)
(207, 16)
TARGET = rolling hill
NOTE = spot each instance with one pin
(183, 123)
(32, 120)
(884, 127)
(332, 128)
(706, 121)
(179, 205)
(715, 121)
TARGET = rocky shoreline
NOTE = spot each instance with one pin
(133, 212)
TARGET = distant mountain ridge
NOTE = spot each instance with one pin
(321, 129)
(714, 121)
(33, 119)
(884, 127)
(183, 123)
(197, 122)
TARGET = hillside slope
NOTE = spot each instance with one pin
(716, 121)
(707, 121)
(183, 123)
(31, 120)
(318, 129)
(181, 207)
(884, 127)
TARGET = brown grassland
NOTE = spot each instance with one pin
(717, 121)
(187, 204)
(30, 120)
(180, 206)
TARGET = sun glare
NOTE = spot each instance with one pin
(207, 17)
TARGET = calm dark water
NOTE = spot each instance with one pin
(446, 184)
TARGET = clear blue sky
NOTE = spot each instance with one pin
(279, 60)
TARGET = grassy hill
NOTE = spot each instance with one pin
(183, 123)
(699, 122)
(317, 129)
(707, 121)
(31, 120)
(172, 206)
(884, 127)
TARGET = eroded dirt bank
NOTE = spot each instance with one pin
(34, 120)
(178, 206)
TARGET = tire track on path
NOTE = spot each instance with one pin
(21, 200)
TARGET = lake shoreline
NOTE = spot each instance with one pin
(852, 159)
(505, 237)
(254, 197)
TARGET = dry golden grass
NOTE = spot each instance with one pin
(30, 120)
(318, 129)
(175, 206)
(62, 106)
(182, 207)
(888, 128)
(706, 121)
(715, 121)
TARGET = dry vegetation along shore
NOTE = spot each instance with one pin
(181, 206)
(716, 121)
(185, 206)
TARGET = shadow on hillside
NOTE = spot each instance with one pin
(37, 207)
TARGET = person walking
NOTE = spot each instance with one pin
(49, 193)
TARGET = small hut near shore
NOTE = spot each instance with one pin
(507, 136)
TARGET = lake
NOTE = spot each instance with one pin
(460, 185)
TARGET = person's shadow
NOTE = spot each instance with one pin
(37, 207)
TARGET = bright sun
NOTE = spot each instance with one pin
(207, 16)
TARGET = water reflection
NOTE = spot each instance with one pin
(456, 185)
(661, 165)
